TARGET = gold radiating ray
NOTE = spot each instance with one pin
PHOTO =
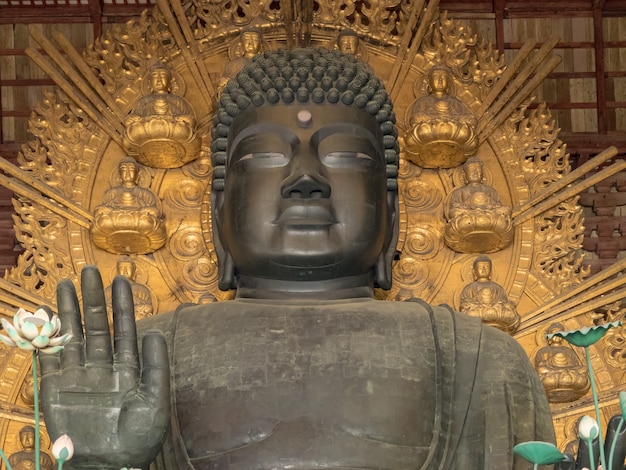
(25, 185)
(91, 78)
(594, 286)
(183, 35)
(403, 48)
(18, 413)
(85, 95)
(552, 195)
(27, 179)
(513, 84)
(77, 97)
(426, 20)
(506, 77)
(16, 297)
(578, 305)
(501, 110)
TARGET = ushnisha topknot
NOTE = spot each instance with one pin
(303, 75)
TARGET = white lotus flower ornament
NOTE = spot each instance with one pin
(63, 448)
(34, 331)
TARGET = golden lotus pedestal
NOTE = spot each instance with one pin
(441, 144)
(477, 240)
(128, 242)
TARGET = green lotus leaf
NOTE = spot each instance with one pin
(585, 336)
(538, 452)
(622, 404)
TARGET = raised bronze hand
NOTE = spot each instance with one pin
(116, 412)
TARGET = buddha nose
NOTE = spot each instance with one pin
(305, 180)
(306, 187)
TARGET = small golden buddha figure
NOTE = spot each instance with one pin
(25, 458)
(143, 299)
(442, 129)
(348, 42)
(130, 218)
(249, 44)
(487, 300)
(560, 370)
(478, 222)
(161, 129)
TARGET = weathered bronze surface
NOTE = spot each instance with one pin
(79, 132)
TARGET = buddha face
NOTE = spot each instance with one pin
(348, 44)
(160, 79)
(439, 81)
(473, 171)
(27, 439)
(305, 194)
(482, 269)
(250, 43)
(128, 172)
(126, 269)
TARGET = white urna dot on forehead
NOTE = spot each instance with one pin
(304, 117)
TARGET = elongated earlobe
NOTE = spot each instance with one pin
(225, 264)
(383, 273)
(226, 272)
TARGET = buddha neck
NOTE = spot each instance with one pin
(352, 287)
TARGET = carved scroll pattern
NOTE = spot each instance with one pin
(121, 55)
(452, 42)
(209, 18)
(63, 137)
(535, 140)
(558, 232)
(559, 236)
(379, 19)
(62, 131)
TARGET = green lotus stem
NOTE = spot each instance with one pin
(60, 464)
(5, 460)
(614, 443)
(596, 405)
(36, 397)
(592, 461)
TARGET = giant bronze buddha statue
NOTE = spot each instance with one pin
(305, 368)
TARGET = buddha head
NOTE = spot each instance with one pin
(27, 437)
(348, 42)
(473, 171)
(552, 329)
(305, 173)
(160, 79)
(128, 171)
(250, 42)
(482, 268)
(439, 80)
(126, 267)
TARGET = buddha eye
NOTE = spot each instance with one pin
(341, 159)
(265, 159)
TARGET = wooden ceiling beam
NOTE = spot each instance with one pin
(108, 13)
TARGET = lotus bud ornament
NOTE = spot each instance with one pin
(63, 448)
